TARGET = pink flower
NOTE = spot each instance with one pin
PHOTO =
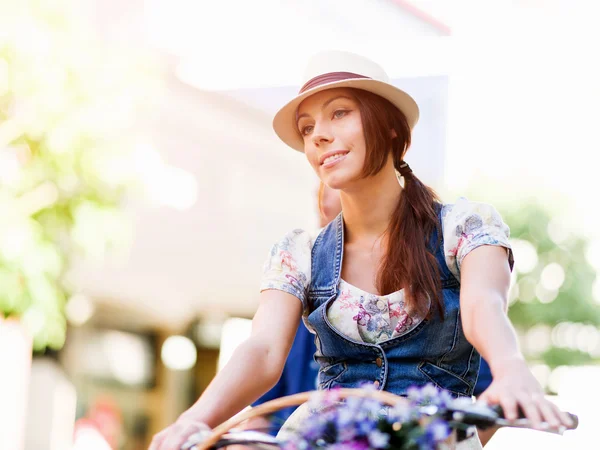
(461, 240)
(293, 281)
(287, 260)
(404, 322)
(362, 315)
(395, 310)
(345, 300)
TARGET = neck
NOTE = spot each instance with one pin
(368, 206)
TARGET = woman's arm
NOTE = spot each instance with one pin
(253, 369)
(485, 281)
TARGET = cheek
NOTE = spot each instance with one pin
(311, 156)
(359, 136)
(356, 139)
(353, 132)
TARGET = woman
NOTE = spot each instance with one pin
(399, 289)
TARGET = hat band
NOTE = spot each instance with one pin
(330, 77)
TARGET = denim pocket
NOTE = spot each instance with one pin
(445, 379)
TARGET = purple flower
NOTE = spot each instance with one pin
(353, 404)
(313, 433)
(430, 390)
(377, 439)
(438, 430)
(355, 445)
(414, 394)
(366, 426)
(371, 407)
(314, 426)
(401, 412)
(345, 417)
(346, 434)
(357, 423)
(426, 444)
(444, 399)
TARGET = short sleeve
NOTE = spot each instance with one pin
(287, 267)
(467, 225)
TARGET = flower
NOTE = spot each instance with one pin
(347, 434)
(377, 439)
(357, 445)
(365, 423)
(414, 394)
(429, 392)
(438, 429)
(402, 412)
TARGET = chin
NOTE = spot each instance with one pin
(337, 181)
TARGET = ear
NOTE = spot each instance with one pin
(393, 134)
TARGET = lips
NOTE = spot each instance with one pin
(332, 156)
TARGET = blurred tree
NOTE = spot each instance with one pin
(67, 102)
(552, 304)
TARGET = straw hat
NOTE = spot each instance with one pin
(334, 69)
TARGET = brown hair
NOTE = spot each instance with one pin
(320, 194)
(409, 262)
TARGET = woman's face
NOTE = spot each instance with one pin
(334, 143)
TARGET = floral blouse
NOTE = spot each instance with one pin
(371, 318)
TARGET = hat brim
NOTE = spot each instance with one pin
(284, 122)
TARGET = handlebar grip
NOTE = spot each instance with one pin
(521, 415)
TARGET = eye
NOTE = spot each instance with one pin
(338, 114)
(306, 130)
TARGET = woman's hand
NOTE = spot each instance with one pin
(174, 436)
(238, 384)
(259, 423)
(515, 386)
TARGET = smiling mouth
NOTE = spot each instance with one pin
(333, 158)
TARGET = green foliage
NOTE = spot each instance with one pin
(572, 301)
(555, 357)
(67, 102)
(552, 302)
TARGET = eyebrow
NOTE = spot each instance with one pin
(323, 107)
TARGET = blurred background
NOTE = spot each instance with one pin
(141, 188)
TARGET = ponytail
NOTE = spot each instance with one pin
(409, 262)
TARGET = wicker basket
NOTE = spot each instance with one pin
(298, 399)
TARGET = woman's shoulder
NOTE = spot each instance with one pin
(294, 248)
(288, 265)
(298, 238)
(466, 211)
(467, 225)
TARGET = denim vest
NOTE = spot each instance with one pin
(436, 351)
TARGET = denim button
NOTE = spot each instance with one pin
(379, 362)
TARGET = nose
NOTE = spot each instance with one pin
(321, 134)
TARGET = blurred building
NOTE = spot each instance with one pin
(149, 324)
(220, 186)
